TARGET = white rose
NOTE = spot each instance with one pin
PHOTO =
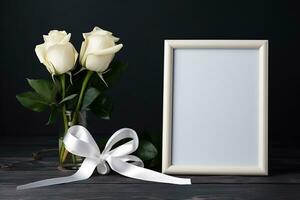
(98, 50)
(57, 53)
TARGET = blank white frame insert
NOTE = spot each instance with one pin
(215, 107)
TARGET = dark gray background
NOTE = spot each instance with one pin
(142, 27)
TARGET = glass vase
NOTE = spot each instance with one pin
(66, 159)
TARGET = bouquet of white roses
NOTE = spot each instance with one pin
(77, 85)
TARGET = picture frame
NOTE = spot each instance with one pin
(215, 107)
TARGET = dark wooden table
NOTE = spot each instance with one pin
(18, 167)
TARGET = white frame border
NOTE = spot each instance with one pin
(167, 166)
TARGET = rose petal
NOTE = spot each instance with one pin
(50, 68)
(98, 42)
(96, 31)
(101, 31)
(66, 38)
(82, 52)
(62, 57)
(55, 37)
(45, 37)
(107, 51)
(116, 39)
(64, 32)
(84, 35)
(76, 54)
(98, 63)
(40, 51)
(52, 32)
(96, 28)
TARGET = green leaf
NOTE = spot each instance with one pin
(111, 77)
(44, 88)
(146, 151)
(117, 69)
(102, 107)
(53, 116)
(68, 98)
(32, 101)
(90, 95)
(155, 138)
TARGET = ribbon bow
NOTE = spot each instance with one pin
(79, 142)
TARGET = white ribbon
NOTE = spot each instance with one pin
(79, 141)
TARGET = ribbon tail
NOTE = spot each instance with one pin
(133, 171)
(84, 172)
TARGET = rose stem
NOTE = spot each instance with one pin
(63, 86)
(83, 88)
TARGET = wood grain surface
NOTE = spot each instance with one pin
(18, 167)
